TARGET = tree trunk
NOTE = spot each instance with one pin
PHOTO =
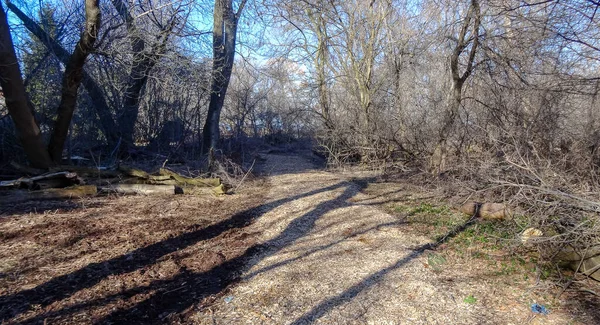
(143, 62)
(224, 35)
(458, 79)
(320, 61)
(16, 99)
(131, 99)
(72, 79)
(138, 77)
(107, 123)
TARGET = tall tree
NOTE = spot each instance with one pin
(224, 35)
(16, 99)
(72, 79)
(466, 42)
(318, 22)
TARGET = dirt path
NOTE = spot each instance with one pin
(302, 246)
(332, 258)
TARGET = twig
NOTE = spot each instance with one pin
(245, 175)
(590, 291)
(576, 271)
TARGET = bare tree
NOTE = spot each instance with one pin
(143, 60)
(72, 79)
(29, 130)
(225, 26)
(108, 125)
(467, 40)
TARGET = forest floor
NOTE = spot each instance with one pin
(300, 245)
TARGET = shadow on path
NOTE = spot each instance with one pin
(186, 289)
(64, 286)
(350, 293)
(174, 295)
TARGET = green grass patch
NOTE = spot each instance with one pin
(470, 300)
(479, 240)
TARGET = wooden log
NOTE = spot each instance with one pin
(134, 172)
(29, 182)
(161, 182)
(135, 180)
(115, 180)
(494, 211)
(201, 190)
(144, 189)
(220, 190)
(15, 196)
(54, 183)
(489, 211)
(469, 208)
(158, 178)
(183, 181)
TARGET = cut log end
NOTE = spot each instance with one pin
(488, 211)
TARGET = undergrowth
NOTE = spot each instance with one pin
(484, 240)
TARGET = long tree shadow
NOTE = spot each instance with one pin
(181, 292)
(350, 293)
(320, 248)
(203, 284)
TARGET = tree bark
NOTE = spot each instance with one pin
(107, 123)
(224, 36)
(72, 79)
(16, 99)
(320, 61)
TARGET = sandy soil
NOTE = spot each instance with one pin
(302, 246)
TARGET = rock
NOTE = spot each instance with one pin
(590, 265)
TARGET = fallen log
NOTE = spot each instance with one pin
(134, 172)
(159, 178)
(144, 189)
(124, 181)
(115, 180)
(53, 183)
(181, 180)
(490, 211)
(199, 190)
(63, 178)
(15, 196)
